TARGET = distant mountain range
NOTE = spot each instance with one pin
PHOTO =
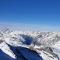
(29, 45)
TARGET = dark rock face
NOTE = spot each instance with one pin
(1, 41)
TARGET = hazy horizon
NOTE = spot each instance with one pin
(31, 14)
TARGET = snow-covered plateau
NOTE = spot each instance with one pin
(29, 45)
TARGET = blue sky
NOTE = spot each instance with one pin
(30, 12)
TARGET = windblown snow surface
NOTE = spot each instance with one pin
(26, 45)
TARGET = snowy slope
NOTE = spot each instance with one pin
(46, 44)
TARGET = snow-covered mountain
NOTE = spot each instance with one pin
(29, 45)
